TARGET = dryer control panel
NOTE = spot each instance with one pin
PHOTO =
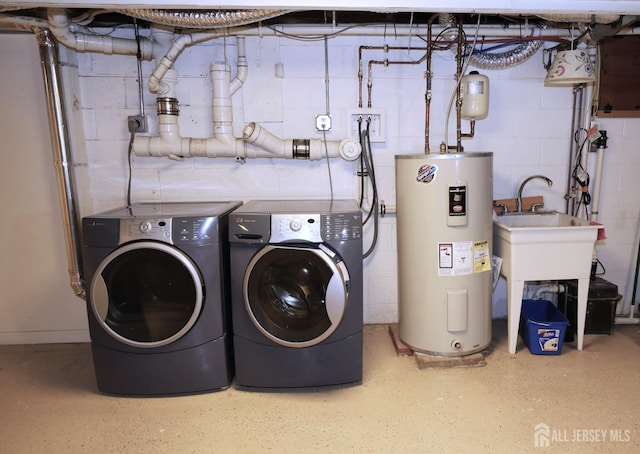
(145, 229)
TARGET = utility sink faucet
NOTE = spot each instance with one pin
(533, 177)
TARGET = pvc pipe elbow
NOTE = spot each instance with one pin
(549, 288)
(261, 138)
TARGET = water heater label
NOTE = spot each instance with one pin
(426, 173)
(481, 257)
(457, 200)
(455, 259)
(461, 258)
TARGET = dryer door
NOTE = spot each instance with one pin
(146, 294)
(296, 294)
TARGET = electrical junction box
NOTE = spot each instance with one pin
(358, 121)
(323, 122)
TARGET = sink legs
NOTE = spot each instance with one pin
(583, 295)
(514, 306)
(515, 289)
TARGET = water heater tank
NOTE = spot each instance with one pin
(445, 233)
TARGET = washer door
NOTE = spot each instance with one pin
(296, 295)
(146, 294)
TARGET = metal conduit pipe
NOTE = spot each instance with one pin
(62, 156)
(400, 30)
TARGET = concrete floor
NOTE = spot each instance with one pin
(49, 404)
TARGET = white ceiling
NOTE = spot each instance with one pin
(467, 6)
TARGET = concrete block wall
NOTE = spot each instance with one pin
(528, 130)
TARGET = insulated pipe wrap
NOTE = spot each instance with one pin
(492, 61)
(202, 18)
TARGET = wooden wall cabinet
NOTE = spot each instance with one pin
(619, 91)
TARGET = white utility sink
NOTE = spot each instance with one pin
(545, 245)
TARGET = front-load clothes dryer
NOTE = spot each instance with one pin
(296, 287)
(157, 281)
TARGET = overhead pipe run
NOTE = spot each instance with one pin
(256, 141)
(78, 39)
(203, 18)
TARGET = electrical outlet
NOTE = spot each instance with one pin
(358, 119)
(137, 123)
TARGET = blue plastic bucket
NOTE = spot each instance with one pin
(542, 327)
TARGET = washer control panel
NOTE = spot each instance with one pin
(288, 227)
(182, 230)
(341, 226)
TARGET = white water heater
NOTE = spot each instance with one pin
(445, 234)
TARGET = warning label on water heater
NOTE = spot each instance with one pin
(481, 257)
(460, 258)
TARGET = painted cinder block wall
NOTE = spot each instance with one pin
(528, 130)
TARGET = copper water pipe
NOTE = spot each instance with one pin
(458, 89)
(384, 63)
(386, 49)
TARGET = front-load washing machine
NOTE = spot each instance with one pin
(158, 297)
(296, 290)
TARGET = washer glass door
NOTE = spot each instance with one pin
(147, 294)
(296, 295)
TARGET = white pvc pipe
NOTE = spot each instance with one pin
(85, 42)
(548, 288)
(222, 110)
(586, 125)
(597, 184)
(242, 66)
(263, 139)
(284, 148)
(257, 142)
(155, 84)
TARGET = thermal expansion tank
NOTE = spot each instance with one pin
(445, 234)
